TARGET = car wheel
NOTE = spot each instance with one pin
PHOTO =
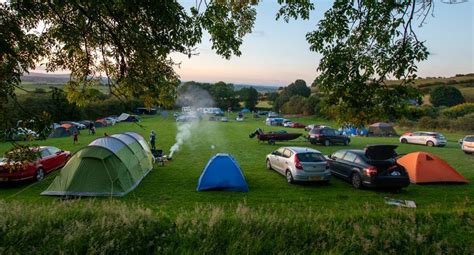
(289, 177)
(327, 143)
(356, 181)
(346, 142)
(39, 176)
(269, 165)
(404, 140)
(429, 144)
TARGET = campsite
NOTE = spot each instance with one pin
(171, 189)
(236, 127)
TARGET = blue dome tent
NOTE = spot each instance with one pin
(222, 173)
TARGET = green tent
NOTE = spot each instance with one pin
(109, 166)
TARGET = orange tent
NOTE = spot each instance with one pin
(423, 167)
(66, 125)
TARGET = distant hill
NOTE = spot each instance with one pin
(39, 79)
(464, 82)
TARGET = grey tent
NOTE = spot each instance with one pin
(123, 117)
(60, 132)
(381, 129)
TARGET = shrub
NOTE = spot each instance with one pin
(427, 122)
(465, 123)
(415, 112)
(458, 110)
(446, 95)
(296, 105)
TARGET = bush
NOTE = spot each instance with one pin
(296, 105)
(458, 110)
(427, 122)
(415, 112)
(446, 95)
(465, 123)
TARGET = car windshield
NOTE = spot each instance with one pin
(469, 139)
(310, 157)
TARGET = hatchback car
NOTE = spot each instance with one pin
(426, 138)
(467, 144)
(327, 136)
(376, 166)
(49, 159)
(299, 164)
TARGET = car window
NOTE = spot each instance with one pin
(287, 154)
(44, 153)
(358, 160)
(280, 152)
(338, 154)
(53, 150)
(349, 156)
(416, 134)
(310, 157)
(469, 139)
(314, 131)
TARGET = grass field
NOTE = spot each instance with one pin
(444, 214)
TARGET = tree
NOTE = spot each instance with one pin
(297, 88)
(272, 96)
(224, 95)
(446, 96)
(363, 43)
(249, 96)
(312, 106)
(279, 102)
(295, 105)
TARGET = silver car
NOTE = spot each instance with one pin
(426, 138)
(299, 164)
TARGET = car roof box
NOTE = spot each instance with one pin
(380, 152)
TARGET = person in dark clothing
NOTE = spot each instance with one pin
(153, 140)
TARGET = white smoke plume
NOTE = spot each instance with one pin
(192, 97)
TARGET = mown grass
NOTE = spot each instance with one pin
(306, 217)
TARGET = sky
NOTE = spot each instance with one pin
(276, 53)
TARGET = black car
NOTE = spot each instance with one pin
(376, 166)
(327, 136)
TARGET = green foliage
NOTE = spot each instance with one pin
(465, 123)
(458, 110)
(296, 105)
(446, 96)
(362, 44)
(313, 106)
(19, 155)
(249, 96)
(279, 102)
(272, 96)
(416, 112)
(297, 88)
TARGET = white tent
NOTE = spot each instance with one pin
(123, 117)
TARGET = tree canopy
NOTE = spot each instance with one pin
(446, 96)
(362, 43)
(249, 96)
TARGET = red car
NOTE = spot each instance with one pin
(298, 125)
(50, 159)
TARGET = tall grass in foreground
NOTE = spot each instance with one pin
(113, 227)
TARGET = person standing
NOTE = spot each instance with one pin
(153, 140)
(75, 137)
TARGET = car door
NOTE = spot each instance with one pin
(335, 162)
(347, 164)
(414, 138)
(277, 159)
(286, 160)
(57, 157)
(46, 160)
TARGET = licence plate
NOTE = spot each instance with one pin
(315, 178)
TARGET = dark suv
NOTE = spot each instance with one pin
(376, 166)
(327, 136)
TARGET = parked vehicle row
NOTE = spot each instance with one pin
(376, 166)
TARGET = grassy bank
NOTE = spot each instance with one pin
(112, 227)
